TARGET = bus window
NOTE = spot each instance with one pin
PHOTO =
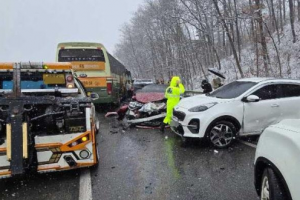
(69, 55)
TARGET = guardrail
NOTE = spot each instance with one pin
(189, 93)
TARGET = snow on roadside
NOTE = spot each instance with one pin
(289, 55)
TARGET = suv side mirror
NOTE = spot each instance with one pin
(252, 98)
(94, 96)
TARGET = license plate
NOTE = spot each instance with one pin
(51, 79)
(76, 129)
(93, 82)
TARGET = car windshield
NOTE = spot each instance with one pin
(232, 90)
(153, 88)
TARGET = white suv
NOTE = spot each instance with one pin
(277, 161)
(246, 106)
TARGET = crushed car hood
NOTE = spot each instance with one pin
(198, 100)
(149, 97)
(151, 93)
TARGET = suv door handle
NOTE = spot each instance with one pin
(274, 105)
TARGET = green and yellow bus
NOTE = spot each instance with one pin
(98, 70)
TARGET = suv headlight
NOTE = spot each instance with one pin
(203, 107)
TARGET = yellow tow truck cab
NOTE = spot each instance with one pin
(47, 122)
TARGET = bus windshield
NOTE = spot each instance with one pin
(69, 55)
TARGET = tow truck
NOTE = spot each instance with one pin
(47, 122)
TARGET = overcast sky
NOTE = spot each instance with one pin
(31, 29)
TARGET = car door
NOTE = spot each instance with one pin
(261, 114)
(291, 101)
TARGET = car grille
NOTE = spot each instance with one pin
(179, 115)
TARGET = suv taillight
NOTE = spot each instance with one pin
(109, 88)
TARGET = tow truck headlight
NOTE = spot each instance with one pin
(74, 144)
(84, 139)
(79, 141)
(70, 86)
(203, 107)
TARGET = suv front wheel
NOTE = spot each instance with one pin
(222, 134)
(271, 187)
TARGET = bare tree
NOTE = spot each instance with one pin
(298, 9)
(229, 38)
(292, 19)
(276, 49)
(186, 37)
(262, 36)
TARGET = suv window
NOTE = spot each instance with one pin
(290, 90)
(269, 92)
(232, 90)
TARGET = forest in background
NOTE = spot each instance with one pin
(241, 38)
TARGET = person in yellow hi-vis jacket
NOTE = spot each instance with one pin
(172, 94)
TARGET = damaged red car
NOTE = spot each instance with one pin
(146, 109)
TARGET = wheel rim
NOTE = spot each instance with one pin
(265, 194)
(221, 135)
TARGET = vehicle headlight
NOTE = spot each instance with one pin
(203, 107)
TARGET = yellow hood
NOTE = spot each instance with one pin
(174, 81)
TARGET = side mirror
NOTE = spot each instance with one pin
(252, 98)
(94, 96)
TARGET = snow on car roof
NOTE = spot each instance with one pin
(255, 79)
(262, 79)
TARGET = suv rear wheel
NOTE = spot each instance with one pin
(271, 187)
(222, 134)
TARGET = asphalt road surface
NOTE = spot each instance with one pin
(145, 164)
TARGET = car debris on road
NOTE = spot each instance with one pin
(146, 109)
